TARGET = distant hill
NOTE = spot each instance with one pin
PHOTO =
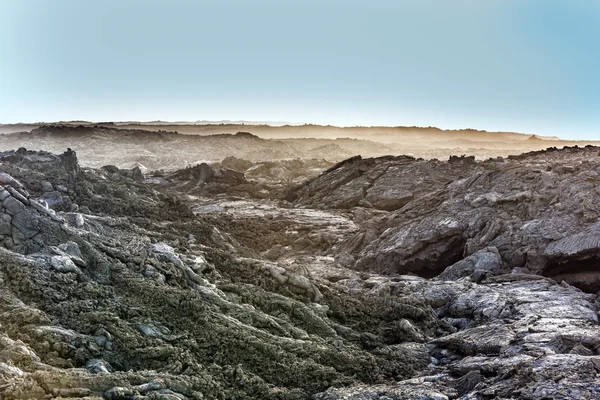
(284, 129)
(171, 145)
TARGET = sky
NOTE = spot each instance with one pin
(527, 66)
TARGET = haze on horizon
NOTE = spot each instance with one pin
(496, 65)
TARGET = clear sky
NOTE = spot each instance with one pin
(529, 66)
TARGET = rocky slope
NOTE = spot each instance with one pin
(386, 278)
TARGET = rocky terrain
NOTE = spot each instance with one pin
(240, 278)
(170, 146)
(170, 150)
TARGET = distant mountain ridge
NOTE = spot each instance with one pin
(274, 128)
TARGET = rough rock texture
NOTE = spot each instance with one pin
(137, 298)
(503, 240)
(388, 278)
(538, 210)
(164, 148)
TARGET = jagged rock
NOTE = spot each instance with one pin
(77, 259)
(468, 382)
(71, 249)
(55, 200)
(13, 206)
(477, 265)
(98, 367)
(7, 180)
(63, 264)
(204, 172)
(236, 164)
(164, 252)
(137, 174)
(25, 225)
(484, 339)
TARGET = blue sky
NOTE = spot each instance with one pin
(530, 66)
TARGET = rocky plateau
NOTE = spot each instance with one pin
(296, 276)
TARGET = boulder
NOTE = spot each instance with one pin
(477, 266)
(63, 264)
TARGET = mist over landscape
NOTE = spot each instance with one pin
(324, 200)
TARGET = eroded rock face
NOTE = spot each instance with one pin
(538, 210)
(498, 237)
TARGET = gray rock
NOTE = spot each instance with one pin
(13, 206)
(5, 224)
(26, 223)
(477, 265)
(79, 220)
(7, 180)
(47, 186)
(137, 174)
(55, 200)
(96, 366)
(70, 250)
(8, 242)
(19, 194)
(152, 330)
(164, 252)
(484, 339)
(63, 264)
(205, 172)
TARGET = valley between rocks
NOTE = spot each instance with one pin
(380, 278)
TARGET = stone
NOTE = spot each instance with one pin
(19, 195)
(72, 249)
(13, 206)
(152, 330)
(55, 200)
(96, 366)
(8, 242)
(137, 174)
(79, 220)
(7, 180)
(5, 224)
(484, 339)
(26, 223)
(481, 264)
(164, 252)
(63, 264)
(47, 186)
(474, 288)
